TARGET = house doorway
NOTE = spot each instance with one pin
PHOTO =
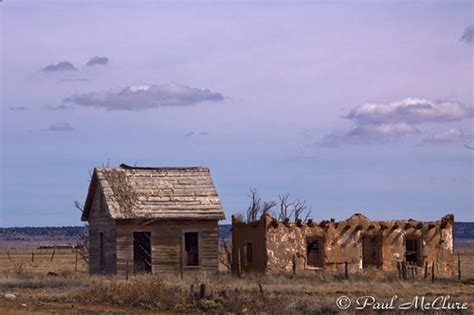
(371, 250)
(141, 252)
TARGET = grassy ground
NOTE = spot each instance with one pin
(316, 293)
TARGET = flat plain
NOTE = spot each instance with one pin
(70, 289)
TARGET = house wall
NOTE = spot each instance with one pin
(253, 233)
(99, 222)
(167, 244)
(285, 244)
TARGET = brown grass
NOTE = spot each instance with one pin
(313, 292)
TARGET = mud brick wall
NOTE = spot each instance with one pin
(357, 241)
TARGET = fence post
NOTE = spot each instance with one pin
(404, 270)
(239, 266)
(202, 291)
(52, 255)
(433, 271)
(293, 261)
(32, 256)
(459, 266)
(75, 265)
(346, 270)
(426, 269)
(399, 268)
(126, 271)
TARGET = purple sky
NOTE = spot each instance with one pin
(354, 107)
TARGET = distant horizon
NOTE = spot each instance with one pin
(220, 224)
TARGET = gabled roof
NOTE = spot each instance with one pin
(155, 193)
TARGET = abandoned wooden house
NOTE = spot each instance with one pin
(156, 220)
(270, 246)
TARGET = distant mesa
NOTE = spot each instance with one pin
(97, 60)
(61, 66)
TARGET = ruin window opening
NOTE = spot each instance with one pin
(191, 249)
(248, 255)
(101, 250)
(314, 252)
(141, 252)
(412, 250)
(371, 251)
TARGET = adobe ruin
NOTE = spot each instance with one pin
(272, 246)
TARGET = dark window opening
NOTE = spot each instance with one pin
(371, 250)
(412, 250)
(191, 249)
(248, 256)
(101, 250)
(141, 252)
(315, 252)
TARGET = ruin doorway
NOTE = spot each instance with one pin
(314, 252)
(141, 252)
(412, 250)
(371, 251)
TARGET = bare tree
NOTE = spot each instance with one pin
(225, 258)
(83, 246)
(254, 208)
(296, 209)
(301, 211)
(267, 206)
(285, 212)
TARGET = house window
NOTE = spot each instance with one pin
(101, 250)
(412, 250)
(191, 249)
(248, 255)
(141, 252)
(314, 252)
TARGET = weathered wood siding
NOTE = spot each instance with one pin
(167, 244)
(99, 222)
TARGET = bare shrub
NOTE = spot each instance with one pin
(139, 291)
(83, 247)
(226, 257)
(40, 283)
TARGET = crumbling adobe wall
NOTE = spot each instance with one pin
(254, 233)
(286, 243)
(341, 244)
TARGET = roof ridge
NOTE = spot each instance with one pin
(128, 167)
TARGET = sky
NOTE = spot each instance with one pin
(353, 106)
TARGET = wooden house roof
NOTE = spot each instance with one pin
(155, 193)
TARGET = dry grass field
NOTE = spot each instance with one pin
(74, 291)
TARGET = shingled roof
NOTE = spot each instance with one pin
(155, 193)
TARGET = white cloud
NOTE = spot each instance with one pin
(468, 35)
(449, 136)
(59, 107)
(193, 134)
(61, 126)
(369, 134)
(144, 96)
(61, 66)
(97, 60)
(411, 110)
(376, 123)
(18, 108)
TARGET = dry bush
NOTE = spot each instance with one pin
(140, 291)
(41, 282)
